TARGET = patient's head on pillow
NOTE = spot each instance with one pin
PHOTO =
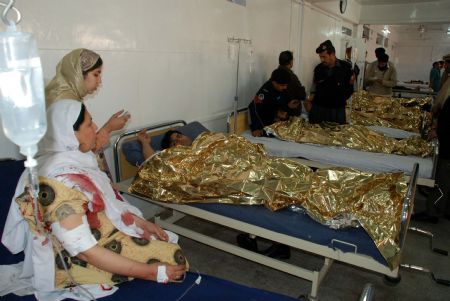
(173, 138)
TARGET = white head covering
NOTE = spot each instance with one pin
(59, 156)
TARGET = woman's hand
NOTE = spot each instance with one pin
(173, 272)
(117, 121)
(101, 139)
(150, 229)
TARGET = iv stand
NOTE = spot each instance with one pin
(236, 96)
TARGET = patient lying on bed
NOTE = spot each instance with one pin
(230, 169)
(170, 138)
(348, 136)
(399, 113)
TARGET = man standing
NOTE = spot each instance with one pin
(381, 79)
(295, 92)
(268, 100)
(446, 69)
(435, 77)
(438, 201)
(332, 86)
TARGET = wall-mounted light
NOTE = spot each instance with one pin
(386, 31)
(448, 31)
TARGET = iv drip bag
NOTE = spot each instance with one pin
(22, 99)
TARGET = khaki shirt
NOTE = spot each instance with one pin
(388, 77)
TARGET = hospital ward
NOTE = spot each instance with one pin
(264, 150)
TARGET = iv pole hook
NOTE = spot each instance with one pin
(7, 9)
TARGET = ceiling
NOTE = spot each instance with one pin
(435, 27)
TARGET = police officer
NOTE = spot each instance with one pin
(332, 86)
(269, 98)
(295, 91)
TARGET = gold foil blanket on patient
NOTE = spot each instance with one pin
(229, 169)
(349, 136)
(399, 113)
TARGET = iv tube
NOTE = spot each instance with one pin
(22, 100)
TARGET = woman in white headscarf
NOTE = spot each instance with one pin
(104, 239)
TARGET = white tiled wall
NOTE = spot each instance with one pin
(169, 59)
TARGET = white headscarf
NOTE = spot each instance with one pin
(60, 156)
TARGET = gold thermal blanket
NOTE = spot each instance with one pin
(229, 169)
(400, 113)
(349, 136)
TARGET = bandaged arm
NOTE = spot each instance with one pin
(114, 263)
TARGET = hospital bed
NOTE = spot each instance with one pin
(321, 156)
(210, 287)
(291, 227)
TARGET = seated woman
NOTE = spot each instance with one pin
(104, 240)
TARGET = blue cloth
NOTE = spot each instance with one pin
(299, 225)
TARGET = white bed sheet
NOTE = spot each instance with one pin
(367, 161)
(392, 132)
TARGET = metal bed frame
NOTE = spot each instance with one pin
(430, 182)
(119, 161)
(329, 254)
(177, 212)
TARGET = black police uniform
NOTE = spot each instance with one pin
(295, 90)
(264, 106)
(332, 89)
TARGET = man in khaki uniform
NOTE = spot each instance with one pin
(381, 77)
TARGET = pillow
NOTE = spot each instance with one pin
(133, 149)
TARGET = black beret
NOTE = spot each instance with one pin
(327, 45)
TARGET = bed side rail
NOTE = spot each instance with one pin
(408, 204)
(129, 135)
(435, 157)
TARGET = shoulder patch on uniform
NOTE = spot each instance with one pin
(258, 98)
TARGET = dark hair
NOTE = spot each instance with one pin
(80, 119)
(379, 51)
(286, 57)
(435, 64)
(95, 66)
(326, 46)
(281, 76)
(383, 58)
(165, 142)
